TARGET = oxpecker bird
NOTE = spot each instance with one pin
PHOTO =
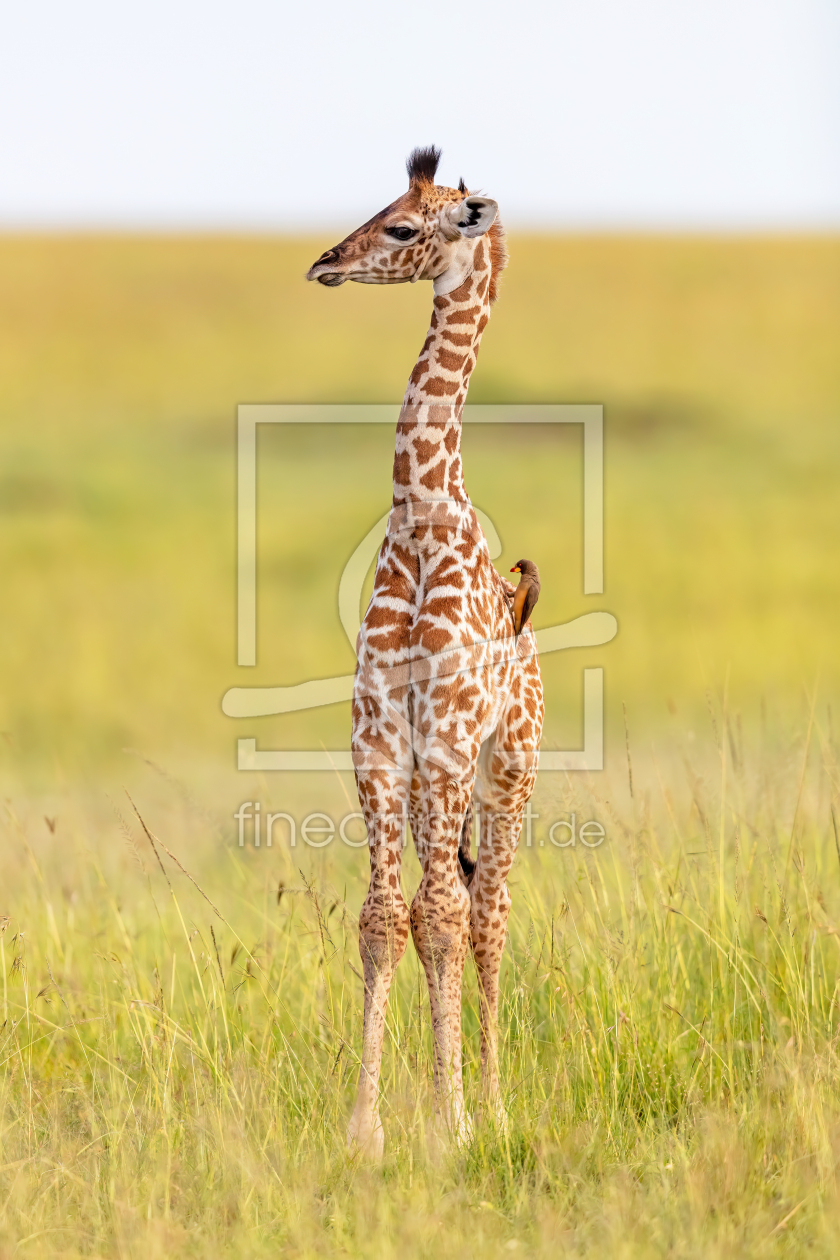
(527, 592)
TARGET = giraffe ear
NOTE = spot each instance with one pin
(471, 217)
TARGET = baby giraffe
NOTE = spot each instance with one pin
(447, 702)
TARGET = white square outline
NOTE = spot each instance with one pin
(590, 415)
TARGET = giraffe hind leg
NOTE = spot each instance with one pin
(489, 908)
(501, 791)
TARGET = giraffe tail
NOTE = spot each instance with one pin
(464, 846)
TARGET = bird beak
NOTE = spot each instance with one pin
(516, 569)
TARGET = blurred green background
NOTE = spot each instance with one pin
(123, 360)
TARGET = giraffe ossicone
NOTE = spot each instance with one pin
(447, 703)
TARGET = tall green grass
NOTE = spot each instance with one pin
(181, 1038)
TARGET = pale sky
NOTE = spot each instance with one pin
(583, 114)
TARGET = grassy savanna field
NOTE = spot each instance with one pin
(670, 1010)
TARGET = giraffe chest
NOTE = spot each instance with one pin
(439, 622)
(463, 631)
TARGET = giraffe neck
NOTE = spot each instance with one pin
(427, 458)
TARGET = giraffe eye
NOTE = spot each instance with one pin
(401, 233)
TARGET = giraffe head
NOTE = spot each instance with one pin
(429, 233)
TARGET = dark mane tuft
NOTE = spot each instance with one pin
(498, 258)
(462, 187)
(422, 165)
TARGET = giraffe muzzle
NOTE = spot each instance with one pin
(323, 272)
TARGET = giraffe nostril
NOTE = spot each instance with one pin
(331, 258)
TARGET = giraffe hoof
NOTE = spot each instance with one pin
(452, 1130)
(493, 1113)
(462, 1132)
(366, 1137)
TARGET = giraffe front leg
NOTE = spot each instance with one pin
(440, 918)
(383, 934)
